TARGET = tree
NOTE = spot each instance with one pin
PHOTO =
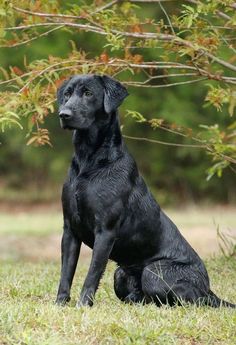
(189, 43)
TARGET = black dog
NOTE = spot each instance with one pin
(107, 205)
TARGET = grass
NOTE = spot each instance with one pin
(48, 220)
(28, 315)
(30, 223)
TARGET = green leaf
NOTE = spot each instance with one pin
(136, 115)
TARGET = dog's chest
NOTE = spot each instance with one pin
(83, 209)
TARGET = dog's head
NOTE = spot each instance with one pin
(84, 99)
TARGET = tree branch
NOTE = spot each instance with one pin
(163, 142)
(219, 13)
(105, 7)
(47, 15)
(204, 146)
(123, 65)
(136, 84)
(31, 39)
(146, 35)
(168, 18)
(194, 2)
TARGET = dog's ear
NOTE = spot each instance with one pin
(114, 93)
(60, 91)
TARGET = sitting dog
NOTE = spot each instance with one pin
(107, 206)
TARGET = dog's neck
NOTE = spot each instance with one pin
(102, 143)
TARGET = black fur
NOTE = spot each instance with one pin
(107, 205)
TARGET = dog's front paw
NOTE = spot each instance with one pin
(86, 301)
(62, 300)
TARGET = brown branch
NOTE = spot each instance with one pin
(204, 146)
(170, 130)
(31, 39)
(227, 158)
(223, 15)
(151, 78)
(47, 15)
(157, 65)
(75, 25)
(163, 142)
(59, 15)
(96, 29)
(121, 65)
(42, 72)
(219, 13)
(105, 7)
(168, 18)
(136, 84)
(202, 51)
(194, 2)
(218, 60)
(209, 147)
(146, 35)
(113, 63)
(15, 78)
(141, 84)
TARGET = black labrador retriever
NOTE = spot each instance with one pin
(107, 205)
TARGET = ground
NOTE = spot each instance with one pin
(29, 273)
(42, 226)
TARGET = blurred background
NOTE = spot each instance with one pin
(31, 178)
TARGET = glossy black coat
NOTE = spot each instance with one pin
(107, 206)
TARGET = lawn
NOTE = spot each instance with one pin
(28, 315)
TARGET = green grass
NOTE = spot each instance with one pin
(28, 315)
(30, 223)
(46, 221)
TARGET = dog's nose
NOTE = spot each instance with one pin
(65, 114)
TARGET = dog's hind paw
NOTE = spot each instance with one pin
(135, 297)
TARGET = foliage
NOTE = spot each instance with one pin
(189, 44)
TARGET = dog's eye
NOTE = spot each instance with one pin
(67, 94)
(88, 93)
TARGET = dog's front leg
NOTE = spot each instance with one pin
(103, 244)
(70, 249)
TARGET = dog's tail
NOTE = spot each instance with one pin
(213, 301)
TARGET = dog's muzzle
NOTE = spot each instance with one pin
(65, 114)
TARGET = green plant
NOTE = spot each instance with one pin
(189, 44)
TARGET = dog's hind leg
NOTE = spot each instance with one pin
(165, 282)
(128, 287)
